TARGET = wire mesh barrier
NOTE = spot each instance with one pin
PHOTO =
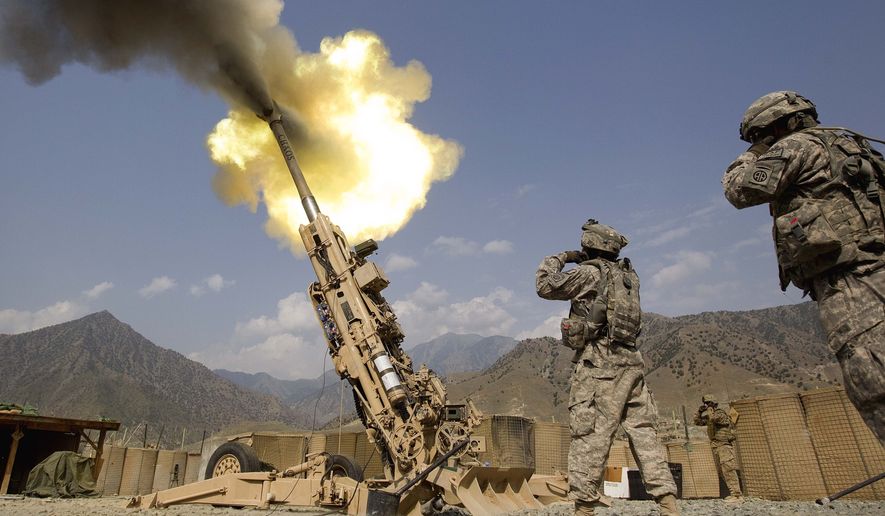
(279, 451)
(790, 447)
(846, 449)
(551, 448)
(509, 441)
(700, 478)
(111, 472)
(757, 466)
(620, 455)
(804, 446)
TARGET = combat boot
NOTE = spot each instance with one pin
(667, 505)
(583, 508)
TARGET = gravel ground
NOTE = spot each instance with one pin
(117, 505)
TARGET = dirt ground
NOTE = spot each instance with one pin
(117, 505)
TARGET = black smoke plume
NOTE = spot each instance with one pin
(213, 43)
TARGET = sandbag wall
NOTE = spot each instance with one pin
(803, 447)
(138, 471)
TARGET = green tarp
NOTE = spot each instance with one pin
(63, 474)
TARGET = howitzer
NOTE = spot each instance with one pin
(426, 445)
(404, 411)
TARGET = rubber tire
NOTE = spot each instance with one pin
(244, 454)
(342, 463)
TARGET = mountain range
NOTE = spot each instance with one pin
(97, 366)
(727, 354)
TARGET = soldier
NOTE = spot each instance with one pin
(720, 428)
(608, 385)
(824, 188)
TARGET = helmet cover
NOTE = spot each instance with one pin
(600, 237)
(771, 107)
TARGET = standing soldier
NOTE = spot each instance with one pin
(608, 385)
(824, 188)
(721, 431)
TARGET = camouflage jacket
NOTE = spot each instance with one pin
(579, 285)
(718, 423)
(797, 171)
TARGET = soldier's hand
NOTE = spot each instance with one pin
(573, 256)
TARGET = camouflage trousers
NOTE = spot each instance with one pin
(606, 398)
(724, 453)
(852, 313)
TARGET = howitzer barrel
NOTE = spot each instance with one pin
(275, 120)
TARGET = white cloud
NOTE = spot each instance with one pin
(98, 290)
(523, 190)
(18, 321)
(398, 262)
(425, 314)
(288, 344)
(454, 246)
(284, 356)
(215, 283)
(498, 247)
(747, 242)
(460, 246)
(669, 235)
(294, 314)
(548, 328)
(685, 264)
(157, 286)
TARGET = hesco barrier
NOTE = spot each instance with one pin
(192, 471)
(111, 473)
(847, 451)
(620, 455)
(802, 447)
(700, 478)
(170, 470)
(280, 451)
(552, 441)
(138, 471)
(509, 441)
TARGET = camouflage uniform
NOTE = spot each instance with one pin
(851, 297)
(720, 430)
(607, 389)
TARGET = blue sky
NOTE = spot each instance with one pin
(624, 112)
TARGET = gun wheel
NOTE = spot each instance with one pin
(408, 442)
(449, 434)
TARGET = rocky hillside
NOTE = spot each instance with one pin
(452, 353)
(319, 404)
(729, 354)
(98, 366)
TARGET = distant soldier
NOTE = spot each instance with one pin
(824, 188)
(608, 384)
(720, 428)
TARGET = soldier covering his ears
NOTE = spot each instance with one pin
(824, 188)
(720, 429)
(608, 383)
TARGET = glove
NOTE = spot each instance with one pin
(573, 256)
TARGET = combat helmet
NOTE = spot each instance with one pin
(599, 237)
(770, 107)
(708, 398)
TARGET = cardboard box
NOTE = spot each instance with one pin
(615, 482)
